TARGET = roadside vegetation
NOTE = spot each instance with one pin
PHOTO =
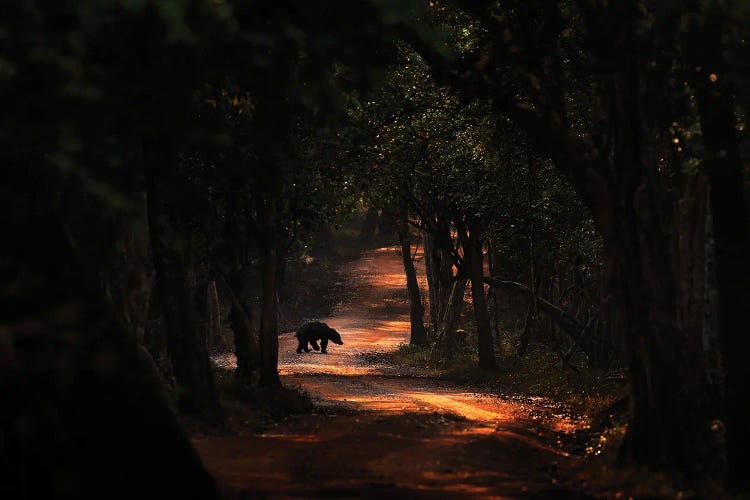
(572, 176)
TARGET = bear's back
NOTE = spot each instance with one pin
(311, 329)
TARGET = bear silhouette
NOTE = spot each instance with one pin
(314, 331)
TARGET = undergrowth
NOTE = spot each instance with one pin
(538, 374)
(593, 395)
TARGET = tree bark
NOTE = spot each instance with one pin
(526, 334)
(475, 261)
(86, 400)
(670, 423)
(245, 347)
(440, 275)
(561, 318)
(731, 235)
(447, 333)
(418, 334)
(492, 295)
(213, 315)
(105, 413)
(432, 285)
(369, 225)
(153, 338)
(171, 252)
(269, 319)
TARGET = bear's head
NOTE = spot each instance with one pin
(334, 336)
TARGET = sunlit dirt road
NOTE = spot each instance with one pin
(381, 431)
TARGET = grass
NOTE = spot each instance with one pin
(590, 394)
(538, 374)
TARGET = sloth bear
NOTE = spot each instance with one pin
(312, 331)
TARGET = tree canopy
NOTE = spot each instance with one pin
(580, 164)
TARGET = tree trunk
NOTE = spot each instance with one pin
(269, 319)
(369, 225)
(81, 401)
(526, 334)
(731, 235)
(447, 333)
(245, 347)
(670, 422)
(432, 285)
(154, 339)
(710, 328)
(171, 252)
(416, 309)
(670, 425)
(213, 316)
(105, 413)
(565, 321)
(475, 261)
(440, 268)
(493, 295)
(445, 272)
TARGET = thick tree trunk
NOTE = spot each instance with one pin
(475, 260)
(670, 421)
(245, 347)
(269, 319)
(186, 340)
(731, 234)
(269, 323)
(105, 413)
(416, 309)
(80, 401)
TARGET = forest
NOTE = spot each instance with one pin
(523, 223)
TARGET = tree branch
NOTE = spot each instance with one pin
(565, 321)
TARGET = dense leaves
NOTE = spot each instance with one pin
(585, 159)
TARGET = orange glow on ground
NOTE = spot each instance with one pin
(382, 432)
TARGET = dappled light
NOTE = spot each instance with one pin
(374, 249)
(371, 319)
(409, 432)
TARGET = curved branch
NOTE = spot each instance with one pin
(565, 321)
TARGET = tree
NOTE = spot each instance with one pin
(73, 180)
(556, 68)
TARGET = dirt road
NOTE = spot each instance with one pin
(382, 432)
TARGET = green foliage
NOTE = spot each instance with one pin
(539, 374)
(270, 120)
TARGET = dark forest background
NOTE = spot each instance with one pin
(576, 168)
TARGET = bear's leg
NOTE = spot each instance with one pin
(314, 344)
(324, 346)
(300, 346)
